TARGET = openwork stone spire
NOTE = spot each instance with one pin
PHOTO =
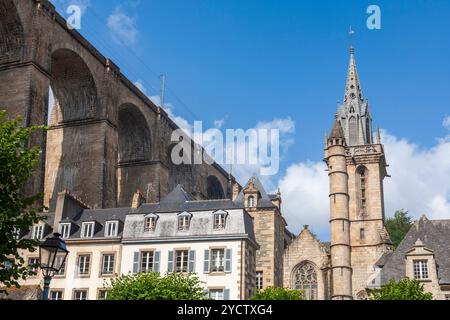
(354, 113)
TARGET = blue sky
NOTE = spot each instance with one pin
(253, 61)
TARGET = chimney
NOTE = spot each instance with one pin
(235, 191)
(138, 199)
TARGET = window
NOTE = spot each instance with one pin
(33, 264)
(181, 261)
(38, 232)
(251, 202)
(305, 278)
(216, 294)
(16, 233)
(362, 175)
(219, 221)
(80, 294)
(108, 264)
(150, 224)
(83, 265)
(362, 234)
(102, 294)
(111, 229)
(60, 263)
(87, 229)
(420, 269)
(259, 280)
(217, 260)
(64, 230)
(56, 295)
(183, 223)
(146, 261)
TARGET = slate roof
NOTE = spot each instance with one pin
(435, 235)
(264, 202)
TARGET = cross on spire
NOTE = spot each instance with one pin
(351, 33)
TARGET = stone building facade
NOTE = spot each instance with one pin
(270, 231)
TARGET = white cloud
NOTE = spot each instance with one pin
(419, 184)
(123, 27)
(446, 123)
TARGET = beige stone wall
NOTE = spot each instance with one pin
(307, 248)
(269, 232)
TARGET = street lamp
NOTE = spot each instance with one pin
(48, 252)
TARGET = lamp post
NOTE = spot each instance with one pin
(48, 252)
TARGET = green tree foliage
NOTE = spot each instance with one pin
(151, 286)
(17, 212)
(405, 289)
(279, 294)
(398, 226)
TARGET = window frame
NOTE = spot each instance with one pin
(420, 268)
(251, 201)
(86, 291)
(84, 275)
(259, 280)
(150, 227)
(184, 262)
(102, 266)
(61, 291)
(36, 268)
(35, 234)
(181, 219)
(221, 224)
(212, 260)
(100, 291)
(217, 290)
(61, 230)
(150, 255)
(109, 223)
(84, 226)
(62, 270)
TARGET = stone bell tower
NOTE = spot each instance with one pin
(357, 168)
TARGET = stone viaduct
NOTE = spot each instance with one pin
(106, 138)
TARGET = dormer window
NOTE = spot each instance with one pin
(150, 222)
(184, 221)
(251, 202)
(111, 229)
(220, 220)
(420, 269)
(64, 230)
(87, 229)
(38, 232)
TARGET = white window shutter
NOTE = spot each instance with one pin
(156, 261)
(206, 262)
(136, 262)
(192, 261)
(170, 262)
(228, 266)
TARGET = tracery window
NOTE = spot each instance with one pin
(305, 278)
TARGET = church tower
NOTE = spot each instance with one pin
(363, 173)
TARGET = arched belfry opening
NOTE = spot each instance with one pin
(11, 33)
(73, 144)
(214, 188)
(135, 169)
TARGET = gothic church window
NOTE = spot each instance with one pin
(353, 130)
(305, 279)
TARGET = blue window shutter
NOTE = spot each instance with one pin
(206, 262)
(192, 261)
(170, 262)
(156, 259)
(226, 294)
(136, 262)
(228, 260)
